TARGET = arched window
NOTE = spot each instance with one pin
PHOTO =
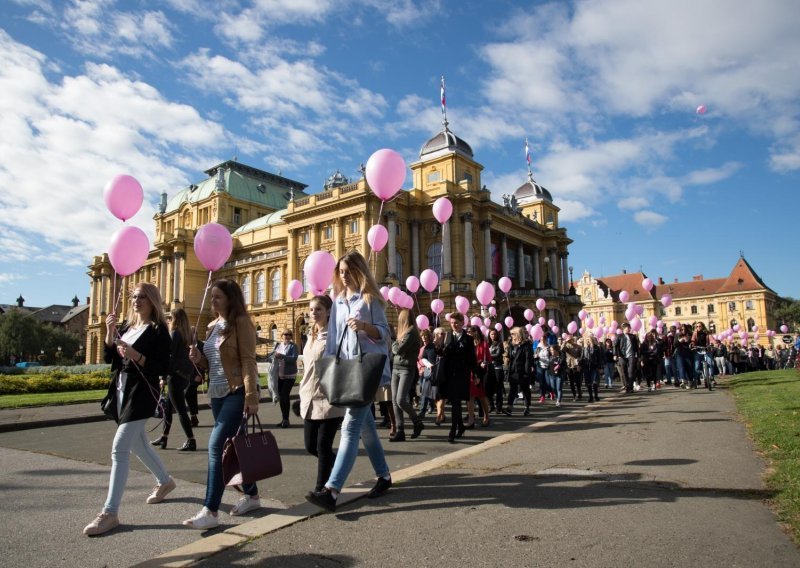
(399, 267)
(246, 288)
(435, 258)
(274, 333)
(260, 288)
(750, 323)
(275, 291)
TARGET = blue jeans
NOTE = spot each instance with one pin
(554, 382)
(608, 372)
(227, 412)
(130, 437)
(358, 424)
(541, 378)
(668, 370)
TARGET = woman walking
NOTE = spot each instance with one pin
(520, 367)
(321, 421)
(285, 357)
(229, 354)
(496, 373)
(590, 362)
(427, 360)
(405, 351)
(181, 373)
(139, 353)
(556, 370)
(608, 362)
(358, 315)
(459, 361)
(477, 386)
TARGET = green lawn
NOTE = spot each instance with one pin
(769, 401)
(48, 398)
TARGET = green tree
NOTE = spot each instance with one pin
(25, 337)
(787, 312)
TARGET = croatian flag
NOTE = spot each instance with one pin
(442, 97)
(527, 152)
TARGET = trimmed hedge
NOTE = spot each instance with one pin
(55, 381)
(68, 369)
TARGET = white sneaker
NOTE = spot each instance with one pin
(203, 520)
(245, 505)
(103, 523)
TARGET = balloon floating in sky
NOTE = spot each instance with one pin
(701, 110)
(385, 173)
(123, 196)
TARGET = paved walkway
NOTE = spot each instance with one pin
(661, 479)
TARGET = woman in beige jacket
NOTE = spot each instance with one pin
(321, 420)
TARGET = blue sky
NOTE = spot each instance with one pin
(605, 92)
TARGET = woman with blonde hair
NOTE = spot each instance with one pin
(357, 320)
(139, 354)
(405, 351)
(321, 421)
(229, 354)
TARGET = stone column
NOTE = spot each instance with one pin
(176, 291)
(392, 245)
(291, 256)
(365, 228)
(415, 247)
(537, 277)
(521, 265)
(469, 258)
(487, 248)
(314, 229)
(447, 262)
(338, 237)
(555, 273)
(504, 255)
(103, 293)
(162, 279)
(564, 274)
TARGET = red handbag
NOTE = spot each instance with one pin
(250, 457)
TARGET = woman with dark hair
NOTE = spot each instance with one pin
(229, 354)
(321, 421)
(139, 353)
(181, 373)
(496, 374)
(477, 386)
(650, 351)
(358, 321)
(520, 368)
(285, 357)
(405, 351)
(459, 360)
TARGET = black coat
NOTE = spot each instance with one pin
(520, 363)
(141, 388)
(459, 362)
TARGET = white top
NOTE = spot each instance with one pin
(217, 383)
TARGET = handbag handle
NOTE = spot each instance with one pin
(359, 352)
(243, 425)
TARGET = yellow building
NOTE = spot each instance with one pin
(720, 303)
(276, 225)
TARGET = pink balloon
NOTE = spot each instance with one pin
(485, 330)
(385, 173)
(476, 321)
(487, 322)
(630, 314)
(442, 209)
(555, 329)
(377, 237)
(429, 279)
(422, 321)
(614, 324)
(462, 304)
(754, 328)
(509, 321)
(541, 304)
(618, 332)
(602, 320)
(638, 308)
(624, 296)
(647, 284)
(541, 321)
(447, 316)
(128, 250)
(412, 284)
(784, 328)
(528, 314)
(582, 315)
(572, 327)
(701, 109)
(589, 322)
(537, 332)
(493, 311)
(213, 245)
(666, 300)
(756, 336)
(498, 326)
(385, 292)
(504, 284)
(736, 328)
(636, 324)
(551, 322)
(485, 293)
(123, 196)
(437, 306)
(318, 268)
(295, 289)
(394, 295)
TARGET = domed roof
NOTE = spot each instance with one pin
(337, 179)
(446, 140)
(531, 191)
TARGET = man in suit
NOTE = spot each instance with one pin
(459, 362)
(626, 350)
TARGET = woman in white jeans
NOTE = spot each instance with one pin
(139, 354)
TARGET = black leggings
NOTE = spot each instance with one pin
(177, 401)
(457, 418)
(319, 435)
(515, 386)
(284, 392)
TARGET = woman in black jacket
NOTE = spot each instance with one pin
(139, 354)
(405, 350)
(459, 361)
(520, 367)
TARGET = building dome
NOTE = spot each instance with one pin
(532, 191)
(337, 179)
(445, 140)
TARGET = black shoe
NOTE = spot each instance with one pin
(381, 487)
(527, 411)
(189, 445)
(399, 437)
(283, 424)
(506, 411)
(418, 428)
(323, 499)
(460, 431)
(591, 399)
(195, 421)
(162, 441)
(451, 438)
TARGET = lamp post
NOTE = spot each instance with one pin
(571, 282)
(547, 283)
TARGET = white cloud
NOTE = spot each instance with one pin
(710, 176)
(572, 210)
(633, 202)
(650, 219)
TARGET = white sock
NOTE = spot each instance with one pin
(388, 477)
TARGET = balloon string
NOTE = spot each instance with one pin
(202, 307)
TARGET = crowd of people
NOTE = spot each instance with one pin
(425, 371)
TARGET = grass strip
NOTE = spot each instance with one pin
(50, 398)
(769, 401)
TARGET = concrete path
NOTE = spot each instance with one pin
(661, 479)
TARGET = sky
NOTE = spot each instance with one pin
(605, 91)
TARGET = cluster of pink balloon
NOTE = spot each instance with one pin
(129, 246)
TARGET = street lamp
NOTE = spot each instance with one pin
(571, 282)
(547, 283)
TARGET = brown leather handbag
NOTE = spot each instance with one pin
(250, 457)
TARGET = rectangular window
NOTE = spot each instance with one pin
(748, 305)
(731, 306)
(397, 229)
(237, 215)
(434, 177)
(677, 311)
(711, 308)
(304, 237)
(694, 310)
(353, 227)
(328, 233)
